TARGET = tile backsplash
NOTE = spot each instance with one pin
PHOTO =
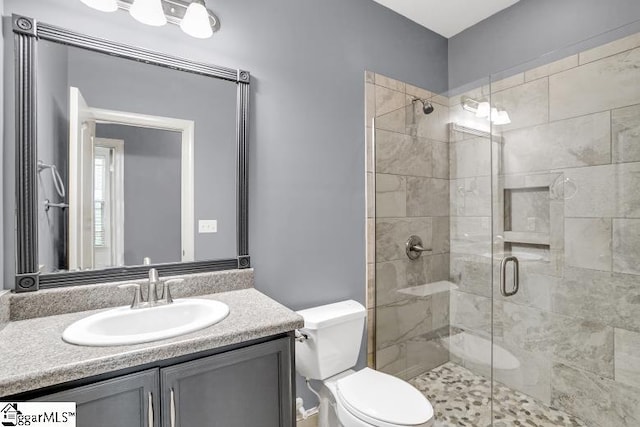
(71, 299)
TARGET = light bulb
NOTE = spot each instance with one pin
(196, 21)
(502, 118)
(148, 12)
(102, 5)
(483, 110)
(494, 114)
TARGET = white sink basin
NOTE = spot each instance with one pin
(124, 325)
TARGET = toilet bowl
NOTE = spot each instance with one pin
(328, 349)
(372, 398)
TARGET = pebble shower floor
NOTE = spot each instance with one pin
(462, 398)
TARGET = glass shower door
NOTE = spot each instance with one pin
(527, 230)
(429, 230)
(467, 393)
(566, 238)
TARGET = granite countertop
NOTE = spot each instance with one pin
(34, 355)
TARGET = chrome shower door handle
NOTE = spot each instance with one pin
(503, 274)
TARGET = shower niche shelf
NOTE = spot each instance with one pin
(530, 238)
(527, 216)
(532, 223)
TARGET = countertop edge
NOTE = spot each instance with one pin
(158, 351)
(88, 368)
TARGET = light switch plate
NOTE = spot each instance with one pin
(207, 226)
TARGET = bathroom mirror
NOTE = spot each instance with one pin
(126, 158)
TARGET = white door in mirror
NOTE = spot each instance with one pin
(125, 326)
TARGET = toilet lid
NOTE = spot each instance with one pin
(378, 396)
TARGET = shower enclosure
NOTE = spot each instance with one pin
(520, 304)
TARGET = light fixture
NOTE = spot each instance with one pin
(148, 12)
(493, 115)
(484, 110)
(196, 21)
(192, 16)
(102, 5)
(502, 118)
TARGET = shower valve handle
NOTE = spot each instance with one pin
(414, 247)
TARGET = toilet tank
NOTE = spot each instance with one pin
(334, 334)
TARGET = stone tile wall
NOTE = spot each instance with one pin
(565, 199)
(408, 193)
(575, 324)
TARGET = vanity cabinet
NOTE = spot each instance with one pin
(247, 386)
(131, 400)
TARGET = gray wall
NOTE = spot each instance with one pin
(532, 28)
(307, 58)
(307, 134)
(53, 121)
(152, 176)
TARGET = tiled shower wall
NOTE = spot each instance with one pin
(408, 193)
(566, 200)
(569, 181)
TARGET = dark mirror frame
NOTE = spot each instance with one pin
(27, 32)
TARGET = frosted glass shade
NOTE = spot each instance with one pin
(148, 12)
(196, 21)
(502, 118)
(494, 114)
(484, 108)
(102, 5)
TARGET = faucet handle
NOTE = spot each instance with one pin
(137, 294)
(167, 289)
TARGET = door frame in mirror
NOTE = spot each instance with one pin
(27, 32)
(186, 129)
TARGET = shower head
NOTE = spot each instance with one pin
(427, 107)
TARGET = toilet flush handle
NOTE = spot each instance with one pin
(301, 336)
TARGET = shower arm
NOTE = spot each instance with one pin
(48, 205)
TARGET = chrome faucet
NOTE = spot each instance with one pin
(152, 295)
(154, 281)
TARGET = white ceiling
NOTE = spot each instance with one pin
(447, 17)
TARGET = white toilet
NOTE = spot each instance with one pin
(328, 349)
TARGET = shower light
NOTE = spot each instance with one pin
(102, 5)
(148, 12)
(502, 118)
(196, 21)
(483, 110)
(192, 16)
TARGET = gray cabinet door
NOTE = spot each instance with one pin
(128, 401)
(249, 387)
